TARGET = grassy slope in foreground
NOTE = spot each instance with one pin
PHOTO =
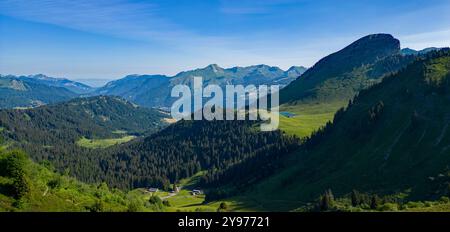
(48, 191)
(44, 190)
(52, 192)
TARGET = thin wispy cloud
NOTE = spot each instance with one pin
(135, 20)
(246, 7)
(439, 38)
(123, 19)
(168, 36)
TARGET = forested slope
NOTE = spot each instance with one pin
(393, 138)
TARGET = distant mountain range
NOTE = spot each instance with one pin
(378, 55)
(154, 90)
(32, 91)
(73, 86)
(409, 51)
(145, 90)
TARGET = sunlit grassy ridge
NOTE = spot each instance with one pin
(103, 143)
(307, 118)
(327, 86)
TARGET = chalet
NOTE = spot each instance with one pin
(288, 114)
(196, 192)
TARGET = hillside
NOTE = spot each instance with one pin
(188, 147)
(67, 131)
(341, 75)
(20, 93)
(315, 97)
(393, 138)
(36, 90)
(26, 186)
(65, 134)
(30, 187)
(95, 117)
(154, 90)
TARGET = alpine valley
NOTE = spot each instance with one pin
(364, 129)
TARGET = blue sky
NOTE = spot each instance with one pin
(108, 39)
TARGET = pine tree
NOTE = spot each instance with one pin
(326, 202)
(331, 196)
(355, 198)
(21, 186)
(374, 202)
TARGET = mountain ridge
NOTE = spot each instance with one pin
(409, 51)
(391, 139)
(21, 93)
(347, 64)
(154, 90)
(74, 86)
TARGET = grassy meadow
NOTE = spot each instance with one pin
(103, 143)
(307, 117)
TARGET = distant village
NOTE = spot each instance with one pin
(177, 189)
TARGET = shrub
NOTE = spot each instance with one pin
(98, 206)
(154, 200)
(388, 207)
(12, 164)
(135, 205)
(223, 207)
(412, 205)
(444, 200)
(55, 182)
(21, 186)
(155, 203)
(166, 203)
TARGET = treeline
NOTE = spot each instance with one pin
(229, 150)
(96, 117)
(357, 201)
(327, 201)
(49, 133)
(260, 163)
(238, 176)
